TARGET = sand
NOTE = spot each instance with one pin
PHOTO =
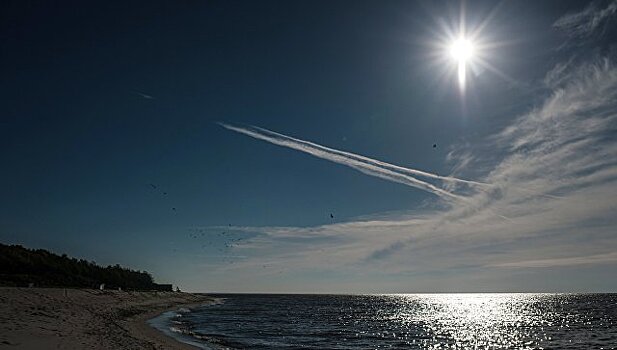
(47, 318)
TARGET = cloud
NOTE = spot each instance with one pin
(559, 74)
(578, 260)
(588, 21)
(145, 96)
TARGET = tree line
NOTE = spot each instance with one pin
(22, 267)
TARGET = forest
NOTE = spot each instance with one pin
(22, 267)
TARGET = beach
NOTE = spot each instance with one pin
(57, 318)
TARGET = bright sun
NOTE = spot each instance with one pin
(462, 47)
(462, 51)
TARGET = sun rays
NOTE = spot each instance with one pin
(462, 51)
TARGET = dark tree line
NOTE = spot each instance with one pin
(20, 266)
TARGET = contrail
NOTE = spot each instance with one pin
(396, 168)
(363, 164)
(379, 163)
(147, 97)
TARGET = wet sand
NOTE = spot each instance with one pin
(47, 318)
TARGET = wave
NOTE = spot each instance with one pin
(173, 324)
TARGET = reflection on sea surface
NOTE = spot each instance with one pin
(411, 321)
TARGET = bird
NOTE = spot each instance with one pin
(331, 216)
(434, 145)
(153, 186)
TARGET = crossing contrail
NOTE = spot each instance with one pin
(397, 168)
(363, 164)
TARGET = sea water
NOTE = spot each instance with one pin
(401, 321)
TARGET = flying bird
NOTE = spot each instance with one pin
(331, 216)
(434, 145)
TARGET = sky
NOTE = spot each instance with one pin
(316, 146)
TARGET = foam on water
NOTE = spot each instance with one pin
(170, 325)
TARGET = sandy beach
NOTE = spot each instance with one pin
(55, 318)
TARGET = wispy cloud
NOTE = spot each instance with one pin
(145, 96)
(578, 260)
(589, 21)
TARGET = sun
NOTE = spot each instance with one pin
(464, 47)
(462, 51)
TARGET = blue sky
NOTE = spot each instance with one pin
(175, 138)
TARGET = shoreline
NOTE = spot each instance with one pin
(50, 318)
(141, 325)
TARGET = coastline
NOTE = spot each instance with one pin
(50, 318)
(140, 327)
(144, 325)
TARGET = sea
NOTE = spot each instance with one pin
(398, 321)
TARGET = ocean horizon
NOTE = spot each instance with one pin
(398, 321)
